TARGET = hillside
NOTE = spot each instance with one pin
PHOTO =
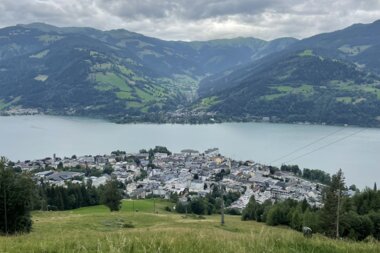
(359, 44)
(96, 229)
(111, 74)
(124, 76)
(297, 87)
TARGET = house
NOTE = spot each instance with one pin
(190, 152)
(44, 174)
(160, 155)
(98, 181)
(86, 159)
(196, 186)
(142, 156)
(63, 176)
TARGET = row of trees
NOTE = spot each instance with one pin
(210, 204)
(72, 196)
(308, 174)
(354, 217)
(67, 197)
(19, 195)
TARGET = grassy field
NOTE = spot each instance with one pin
(95, 229)
(305, 90)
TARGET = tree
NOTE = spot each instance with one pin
(16, 193)
(161, 149)
(331, 212)
(111, 195)
(375, 218)
(249, 212)
(296, 221)
(304, 205)
(311, 220)
(273, 170)
(108, 169)
(143, 151)
(356, 227)
(174, 197)
(198, 206)
(60, 166)
(291, 168)
(353, 188)
(275, 216)
(181, 207)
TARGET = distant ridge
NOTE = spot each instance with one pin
(125, 76)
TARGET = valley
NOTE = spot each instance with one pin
(127, 77)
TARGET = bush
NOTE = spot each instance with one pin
(181, 207)
(356, 227)
(233, 211)
(198, 206)
(128, 225)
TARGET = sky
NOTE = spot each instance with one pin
(196, 19)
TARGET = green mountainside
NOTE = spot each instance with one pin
(301, 87)
(125, 76)
(359, 44)
(329, 78)
(110, 74)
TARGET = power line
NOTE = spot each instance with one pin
(308, 145)
(327, 145)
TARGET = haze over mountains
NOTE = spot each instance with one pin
(123, 76)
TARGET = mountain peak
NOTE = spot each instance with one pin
(376, 23)
(40, 26)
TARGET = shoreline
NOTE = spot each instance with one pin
(260, 141)
(136, 122)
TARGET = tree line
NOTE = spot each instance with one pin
(210, 204)
(308, 174)
(19, 195)
(355, 217)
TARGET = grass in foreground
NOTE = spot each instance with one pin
(95, 229)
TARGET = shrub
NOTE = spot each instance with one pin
(128, 225)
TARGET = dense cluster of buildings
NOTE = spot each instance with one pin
(163, 174)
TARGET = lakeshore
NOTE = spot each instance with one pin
(159, 173)
(31, 137)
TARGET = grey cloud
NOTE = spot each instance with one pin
(196, 19)
(189, 10)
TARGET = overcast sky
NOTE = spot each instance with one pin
(196, 19)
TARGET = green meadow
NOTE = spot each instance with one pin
(144, 226)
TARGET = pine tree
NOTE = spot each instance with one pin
(331, 212)
(249, 212)
(375, 187)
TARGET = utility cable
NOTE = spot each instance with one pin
(327, 145)
(307, 145)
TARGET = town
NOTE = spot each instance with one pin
(158, 172)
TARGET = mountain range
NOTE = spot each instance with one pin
(123, 76)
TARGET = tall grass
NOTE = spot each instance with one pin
(96, 230)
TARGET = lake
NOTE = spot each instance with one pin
(355, 150)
